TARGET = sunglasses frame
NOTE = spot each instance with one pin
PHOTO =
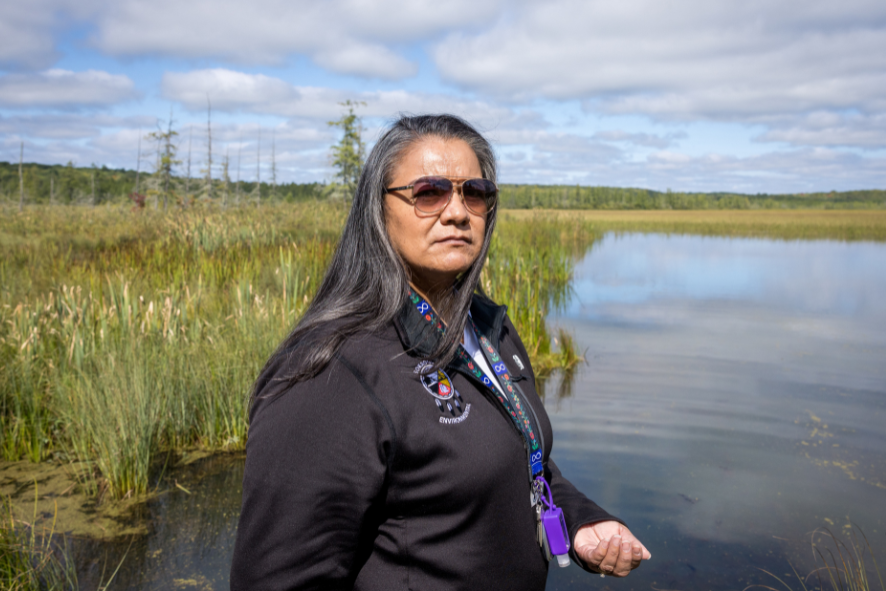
(456, 186)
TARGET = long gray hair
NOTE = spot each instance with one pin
(366, 282)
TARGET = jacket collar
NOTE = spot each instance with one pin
(419, 336)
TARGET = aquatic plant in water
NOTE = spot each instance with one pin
(846, 566)
(30, 561)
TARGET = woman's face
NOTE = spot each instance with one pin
(436, 247)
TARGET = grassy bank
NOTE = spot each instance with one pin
(127, 337)
(779, 224)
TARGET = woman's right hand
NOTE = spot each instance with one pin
(610, 548)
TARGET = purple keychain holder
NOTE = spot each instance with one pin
(555, 525)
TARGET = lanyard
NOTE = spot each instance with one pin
(510, 399)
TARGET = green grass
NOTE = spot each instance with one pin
(530, 269)
(844, 565)
(127, 337)
(30, 561)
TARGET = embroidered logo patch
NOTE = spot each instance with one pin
(438, 385)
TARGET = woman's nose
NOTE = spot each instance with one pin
(455, 210)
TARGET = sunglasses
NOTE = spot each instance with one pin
(431, 194)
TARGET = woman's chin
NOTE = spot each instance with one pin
(438, 277)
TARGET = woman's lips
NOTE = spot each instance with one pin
(460, 239)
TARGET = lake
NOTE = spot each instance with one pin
(734, 400)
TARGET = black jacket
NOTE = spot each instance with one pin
(359, 479)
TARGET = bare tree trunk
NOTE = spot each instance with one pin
(138, 160)
(21, 178)
(225, 165)
(159, 161)
(258, 168)
(51, 190)
(209, 144)
(93, 187)
(167, 166)
(273, 164)
(239, 151)
(188, 181)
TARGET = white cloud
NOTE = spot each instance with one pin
(68, 126)
(236, 91)
(824, 128)
(554, 158)
(26, 31)
(66, 90)
(344, 36)
(371, 60)
(801, 170)
(228, 90)
(647, 140)
(688, 59)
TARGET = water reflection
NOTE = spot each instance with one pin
(733, 401)
(818, 277)
(191, 534)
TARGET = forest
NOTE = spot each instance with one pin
(68, 184)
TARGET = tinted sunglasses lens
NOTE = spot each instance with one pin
(480, 194)
(431, 193)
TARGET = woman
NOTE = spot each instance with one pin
(384, 451)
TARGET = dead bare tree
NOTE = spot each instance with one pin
(209, 146)
(239, 151)
(167, 158)
(225, 179)
(157, 167)
(93, 185)
(138, 161)
(258, 168)
(273, 164)
(21, 178)
(188, 181)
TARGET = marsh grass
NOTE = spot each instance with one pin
(32, 561)
(129, 337)
(777, 224)
(34, 558)
(844, 565)
(530, 269)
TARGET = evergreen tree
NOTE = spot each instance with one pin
(349, 153)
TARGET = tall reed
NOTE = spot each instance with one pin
(845, 566)
(124, 337)
(530, 270)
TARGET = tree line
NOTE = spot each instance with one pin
(579, 197)
(72, 185)
(68, 184)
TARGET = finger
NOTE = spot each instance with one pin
(637, 554)
(608, 564)
(591, 554)
(624, 561)
(645, 554)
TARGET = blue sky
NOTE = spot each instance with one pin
(750, 95)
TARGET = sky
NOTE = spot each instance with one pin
(751, 96)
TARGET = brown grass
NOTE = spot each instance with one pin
(783, 224)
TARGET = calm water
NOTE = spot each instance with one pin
(733, 402)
